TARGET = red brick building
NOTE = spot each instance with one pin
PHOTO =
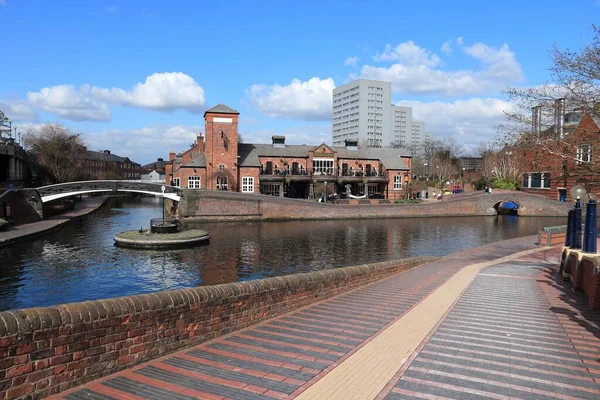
(104, 165)
(570, 157)
(217, 161)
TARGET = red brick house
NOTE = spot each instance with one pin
(565, 159)
(217, 161)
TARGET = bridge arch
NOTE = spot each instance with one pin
(507, 207)
(61, 190)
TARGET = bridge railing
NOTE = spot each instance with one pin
(55, 191)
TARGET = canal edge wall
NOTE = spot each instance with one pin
(207, 205)
(50, 349)
(42, 227)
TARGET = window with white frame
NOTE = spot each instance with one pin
(222, 183)
(397, 182)
(175, 182)
(584, 153)
(323, 166)
(536, 180)
(194, 182)
(248, 184)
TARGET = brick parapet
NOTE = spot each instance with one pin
(215, 205)
(47, 350)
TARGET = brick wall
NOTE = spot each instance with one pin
(591, 283)
(25, 206)
(214, 205)
(47, 350)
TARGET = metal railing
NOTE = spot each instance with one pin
(333, 172)
(165, 225)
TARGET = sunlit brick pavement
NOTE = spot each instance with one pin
(500, 340)
(517, 332)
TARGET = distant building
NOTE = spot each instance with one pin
(158, 166)
(363, 111)
(153, 177)
(217, 161)
(470, 163)
(104, 165)
(13, 159)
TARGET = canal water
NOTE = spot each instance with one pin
(80, 262)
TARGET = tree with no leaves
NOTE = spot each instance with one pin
(575, 77)
(57, 151)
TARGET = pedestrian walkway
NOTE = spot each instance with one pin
(25, 231)
(514, 333)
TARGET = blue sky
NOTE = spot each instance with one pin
(135, 76)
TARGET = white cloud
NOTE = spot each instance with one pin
(418, 70)
(408, 53)
(2, 2)
(309, 100)
(460, 41)
(471, 121)
(501, 62)
(18, 110)
(69, 103)
(165, 92)
(351, 61)
(145, 144)
(447, 47)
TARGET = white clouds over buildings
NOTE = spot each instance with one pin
(165, 92)
(19, 110)
(308, 100)
(418, 71)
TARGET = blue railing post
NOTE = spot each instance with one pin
(576, 239)
(591, 228)
(569, 235)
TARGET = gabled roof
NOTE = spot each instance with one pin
(221, 109)
(102, 156)
(199, 161)
(249, 154)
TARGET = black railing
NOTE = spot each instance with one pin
(164, 225)
(325, 172)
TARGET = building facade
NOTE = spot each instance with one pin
(568, 154)
(363, 111)
(217, 161)
(104, 165)
(158, 166)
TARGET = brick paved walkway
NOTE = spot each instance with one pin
(501, 336)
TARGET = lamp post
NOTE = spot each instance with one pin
(578, 192)
(591, 225)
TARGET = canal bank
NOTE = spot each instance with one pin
(23, 232)
(317, 325)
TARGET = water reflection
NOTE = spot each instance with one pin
(80, 261)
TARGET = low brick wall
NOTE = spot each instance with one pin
(583, 270)
(47, 350)
(211, 205)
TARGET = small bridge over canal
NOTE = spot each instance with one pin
(54, 192)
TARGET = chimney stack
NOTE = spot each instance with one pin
(171, 156)
(535, 113)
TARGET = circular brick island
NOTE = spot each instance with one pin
(149, 240)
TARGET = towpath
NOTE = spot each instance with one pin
(26, 231)
(492, 322)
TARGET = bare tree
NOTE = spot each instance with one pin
(57, 151)
(503, 165)
(442, 169)
(575, 77)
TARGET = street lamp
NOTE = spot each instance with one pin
(578, 192)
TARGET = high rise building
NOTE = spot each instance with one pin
(363, 111)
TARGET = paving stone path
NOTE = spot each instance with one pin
(510, 335)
